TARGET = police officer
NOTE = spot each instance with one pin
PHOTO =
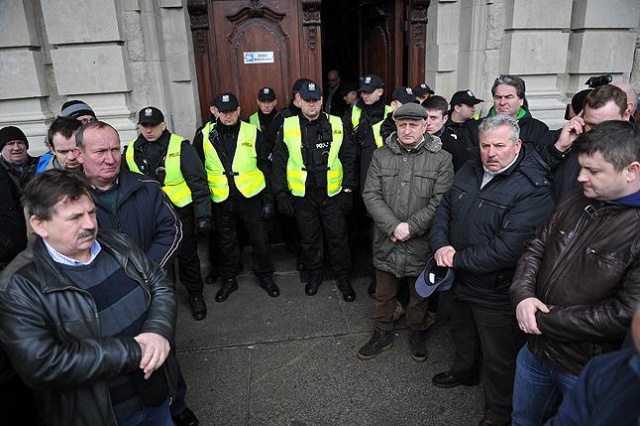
(173, 162)
(314, 181)
(267, 102)
(238, 172)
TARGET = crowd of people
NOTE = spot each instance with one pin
(535, 230)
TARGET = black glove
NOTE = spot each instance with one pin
(346, 202)
(285, 205)
(203, 226)
(268, 210)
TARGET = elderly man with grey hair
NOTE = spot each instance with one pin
(493, 207)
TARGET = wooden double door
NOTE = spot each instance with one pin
(243, 45)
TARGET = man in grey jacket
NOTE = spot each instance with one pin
(406, 180)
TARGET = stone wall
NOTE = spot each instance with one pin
(117, 55)
(555, 45)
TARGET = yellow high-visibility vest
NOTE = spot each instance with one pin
(255, 120)
(248, 178)
(296, 170)
(355, 119)
(175, 186)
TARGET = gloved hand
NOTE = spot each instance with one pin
(203, 226)
(268, 210)
(285, 205)
(346, 202)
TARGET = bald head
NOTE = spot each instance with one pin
(632, 96)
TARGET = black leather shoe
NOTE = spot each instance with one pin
(211, 277)
(270, 286)
(348, 293)
(446, 379)
(185, 418)
(488, 422)
(198, 307)
(313, 283)
(229, 285)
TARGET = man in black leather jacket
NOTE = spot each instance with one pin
(577, 283)
(87, 319)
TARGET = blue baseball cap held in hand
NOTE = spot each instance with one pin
(434, 278)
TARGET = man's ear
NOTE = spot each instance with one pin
(39, 226)
(633, 171)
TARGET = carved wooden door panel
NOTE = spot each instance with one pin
(243, 45)
(393, 35)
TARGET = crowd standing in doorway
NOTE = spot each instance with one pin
(535, 230)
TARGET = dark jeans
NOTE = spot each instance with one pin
(228, 216)
(486, 342)
(188, 263)
(319, 215)
(538, 389)
(387, 286)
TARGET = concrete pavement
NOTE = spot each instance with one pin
(291, 360)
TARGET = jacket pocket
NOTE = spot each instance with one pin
(423, 184)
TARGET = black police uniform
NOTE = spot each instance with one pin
(150, 159)
(318, 215)
(251, 212)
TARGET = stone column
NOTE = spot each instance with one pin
(23, 87)
(602, 41)
(535, 47)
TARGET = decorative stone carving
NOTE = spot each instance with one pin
(311, 20)
(199, 18)
(418, 21)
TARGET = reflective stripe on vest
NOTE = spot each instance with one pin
(296, 171)
(377, 137)
(175, 186)
(248, 178)
(255, 119)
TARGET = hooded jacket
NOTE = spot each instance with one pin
(405, 186)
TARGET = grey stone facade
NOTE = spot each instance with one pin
(122, 55)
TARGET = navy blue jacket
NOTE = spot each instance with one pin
(146, 215)
(487, 227)
(606, 393)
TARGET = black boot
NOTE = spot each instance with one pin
(270, 286)
(348, 294)
(229, 285)
(313, 283)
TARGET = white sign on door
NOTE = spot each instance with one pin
(258, 57)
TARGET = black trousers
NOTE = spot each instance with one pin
(228, 216)
(188, 261)
(319, 215)
(486, 343)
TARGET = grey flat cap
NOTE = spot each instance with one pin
(410, 111)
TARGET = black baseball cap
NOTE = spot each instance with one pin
(226, 102)
(310, 91)
(370, 83)
(434, 278)
(422, 89)
(299, 82)
(464, 97)
(403, 94)
(266, 94)
(150, 115)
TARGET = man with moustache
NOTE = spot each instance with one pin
(493, 207)
(313, 179)
(87, 319)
